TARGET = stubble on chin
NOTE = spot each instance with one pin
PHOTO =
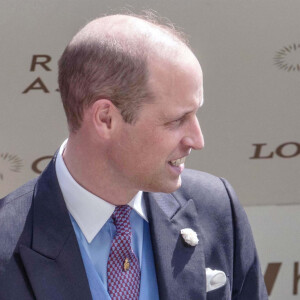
(168, 187)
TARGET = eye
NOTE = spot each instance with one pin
(178, 122)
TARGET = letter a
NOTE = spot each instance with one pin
(38, 84)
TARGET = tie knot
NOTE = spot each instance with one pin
(121, 219)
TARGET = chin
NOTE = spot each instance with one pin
(168, 187)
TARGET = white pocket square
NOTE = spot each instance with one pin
(214, 279)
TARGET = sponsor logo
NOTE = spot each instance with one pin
(272, 272)
(288, 58)
(13, 163)
(40, 63)
(40, 164)
(285, 150)
(9, 163)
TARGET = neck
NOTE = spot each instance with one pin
(91, 171)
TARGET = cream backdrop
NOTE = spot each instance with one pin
(250, 54)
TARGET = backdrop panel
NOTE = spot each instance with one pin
(276, 230)
(250, 54)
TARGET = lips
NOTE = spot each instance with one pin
(177, 162)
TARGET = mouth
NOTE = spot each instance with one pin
(177, 162)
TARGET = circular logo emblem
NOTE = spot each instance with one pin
(9, 163)
(288, 58)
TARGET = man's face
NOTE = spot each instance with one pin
(146, 156)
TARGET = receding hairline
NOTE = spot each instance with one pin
(132, 33)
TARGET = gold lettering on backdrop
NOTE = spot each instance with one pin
(37, 84)
(271, 275)
(39, 62)
(279, 150)
(296, 278)
(40, 59)
(285, 150)
(257, 153)
(35, 164)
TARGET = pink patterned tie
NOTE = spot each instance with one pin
(123, 270)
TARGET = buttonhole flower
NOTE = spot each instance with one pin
(189, 236)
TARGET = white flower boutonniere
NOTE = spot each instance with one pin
(189, 236)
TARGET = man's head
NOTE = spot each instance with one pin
(109, 58)
(131, 90)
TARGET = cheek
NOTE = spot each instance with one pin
(159, 147)
(151, 147)
(148, 136)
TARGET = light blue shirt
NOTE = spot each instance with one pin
(98, 250)
(95, 256)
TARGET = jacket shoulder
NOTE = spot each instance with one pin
(202, 185)
(198, 177)
(14, 209)
(19, 194)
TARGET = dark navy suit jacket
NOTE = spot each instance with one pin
(40, 257)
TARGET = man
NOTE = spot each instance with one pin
(131, 89)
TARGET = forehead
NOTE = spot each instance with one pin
(176, 82)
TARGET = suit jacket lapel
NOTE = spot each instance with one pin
(53, 262)
(180, 268)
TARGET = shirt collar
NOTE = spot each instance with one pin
(89, 211)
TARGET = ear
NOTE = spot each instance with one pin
(103, 116)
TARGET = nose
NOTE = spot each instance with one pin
(194, 137)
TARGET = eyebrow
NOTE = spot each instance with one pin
(184, 114)
(167, 118)
(177, 117)
(190, 111)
